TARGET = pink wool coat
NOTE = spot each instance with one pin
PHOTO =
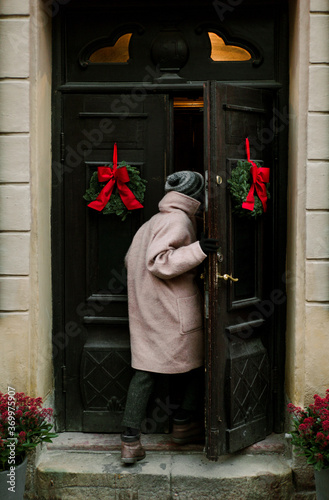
(165, 304)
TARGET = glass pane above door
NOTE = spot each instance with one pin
(118, 53)
(222, 52)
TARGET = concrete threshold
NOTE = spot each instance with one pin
(88, 466)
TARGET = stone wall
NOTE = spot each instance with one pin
(25, 166)
(307, 369)
(317, 205)
(15, 205)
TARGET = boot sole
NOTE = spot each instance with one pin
(131, 460)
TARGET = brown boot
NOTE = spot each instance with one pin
(191, 432)
(131, 450)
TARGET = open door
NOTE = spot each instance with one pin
(240, 314)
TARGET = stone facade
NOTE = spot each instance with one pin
(25, 193)
(25, 167)
(308, 203)
(317, 204)
(15, 199)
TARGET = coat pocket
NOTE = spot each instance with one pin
(190, 313)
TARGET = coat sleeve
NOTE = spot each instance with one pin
(172, 250)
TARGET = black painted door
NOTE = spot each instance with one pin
(239, 313)
(97, 364)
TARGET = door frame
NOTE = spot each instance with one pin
(60, 330)
(58, 276)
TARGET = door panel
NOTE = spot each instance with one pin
(247, 392)
(98, 355)
(238, 357)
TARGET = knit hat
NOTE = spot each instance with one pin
(186, 182)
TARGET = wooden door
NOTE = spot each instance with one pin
(97, 357)
(240, 314)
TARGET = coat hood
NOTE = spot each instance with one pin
(179, 201)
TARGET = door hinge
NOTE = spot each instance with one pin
(64, 379)
(62, 147)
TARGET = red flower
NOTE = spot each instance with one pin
(319, 437)
(22, 437)
(325, 425)
(324, 414)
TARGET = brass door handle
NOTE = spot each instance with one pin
(226, 277)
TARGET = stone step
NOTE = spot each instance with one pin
(79, 472)
(274, 443)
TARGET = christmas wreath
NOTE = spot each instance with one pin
(246, 178)
(116, 189)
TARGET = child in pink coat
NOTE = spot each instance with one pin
(166, 308)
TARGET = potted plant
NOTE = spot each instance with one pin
(311, 435)
(23, 425)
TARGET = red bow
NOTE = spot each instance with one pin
(116, 175)
(259, 175)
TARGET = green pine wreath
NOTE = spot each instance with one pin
(115, 205)
(239, 186)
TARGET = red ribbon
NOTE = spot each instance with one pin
(116, 175)
(259, 175)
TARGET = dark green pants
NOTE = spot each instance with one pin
(142, 385)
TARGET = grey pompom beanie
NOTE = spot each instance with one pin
(186, 182)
